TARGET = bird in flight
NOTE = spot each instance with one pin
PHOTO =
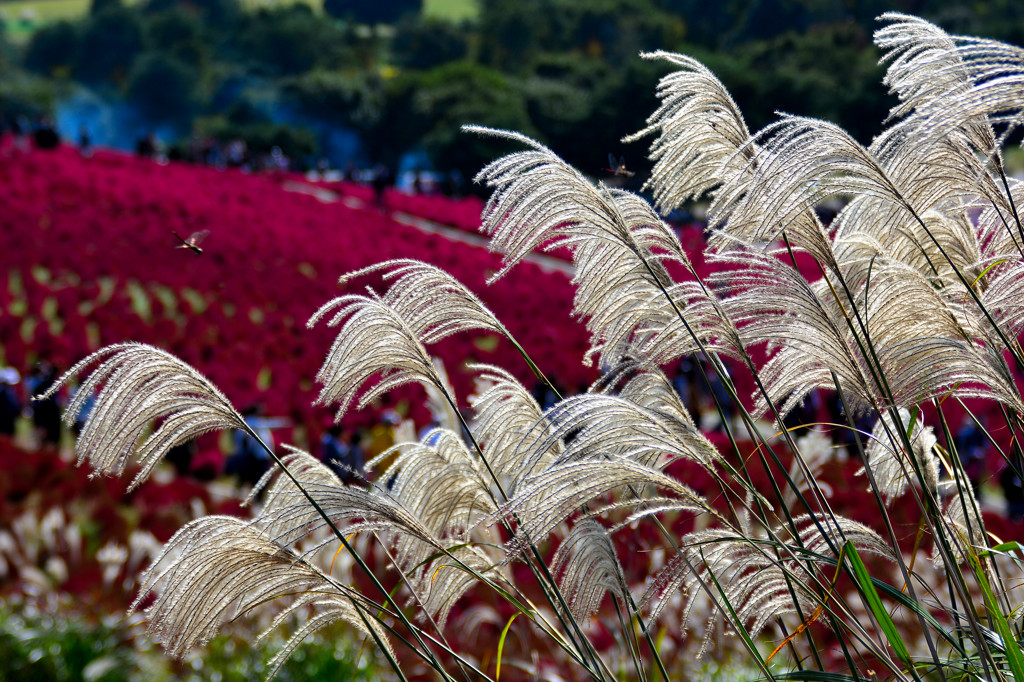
(618, 166)
(192, 243)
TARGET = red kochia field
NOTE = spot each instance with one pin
(89, 259)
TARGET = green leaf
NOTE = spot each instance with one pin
(1014, 656)
(817, 676)
(867, 590)
(501, 646)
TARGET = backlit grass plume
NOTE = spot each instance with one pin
(136, 386)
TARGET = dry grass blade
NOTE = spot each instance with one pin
(141, 385)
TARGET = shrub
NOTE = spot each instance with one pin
(911, 307)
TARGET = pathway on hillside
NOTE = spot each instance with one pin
(327, 196)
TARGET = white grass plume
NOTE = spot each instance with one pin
(504, 413)
(441, 483)
(701, 133)
(141, 385)
(595, 426)
(890, 466)
(373, 339)
(802, 161)
(586, 567)
(220, 567)
(444, 581)
(548, 498)
(755, 580)
(430, 301)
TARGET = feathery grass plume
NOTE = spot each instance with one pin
(925, 69)
(282, 493)
(596, 426)
(1004, 299)
(756, 582)
(586, 566)
(373, 339)
(997, 229)
(702, 137)
(801, 162)
(353, 510)
(539, 198)
(440, 408)
(441, 483)
(770, 302)
(953, 82)
(889, 463)
(444, 582)
(962, 515)
(140, 385)
(816, 450)
(504, 413)
(618, 242)
(642, 382)
(923, 350)
(430, 301)
(219, 567)
(548, 498)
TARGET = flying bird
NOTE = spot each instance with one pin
(192, 243)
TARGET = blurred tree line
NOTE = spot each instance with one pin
(564, 71)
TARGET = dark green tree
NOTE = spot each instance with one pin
(372, 11)
(111, 40)
(162, 86)
(53, 49)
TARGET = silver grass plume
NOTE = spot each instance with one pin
(504, 413)
(801, 162)
(1004, 299)
(596, 426)
(997, 230)
(444, 582)
(953, 83)
(539, 198)
(619, 244)
(441, 483)
(925, 70)
(373, 339)
(548, 498)
(219, 567)
(586, 567)
(282, 493)
(701, 133)
(437, 400)
(923, 350)
(756, 581)
(430, 301)
(352, 509)
(770, 302)
(141, 385)
(890, 466)
(966, 535)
